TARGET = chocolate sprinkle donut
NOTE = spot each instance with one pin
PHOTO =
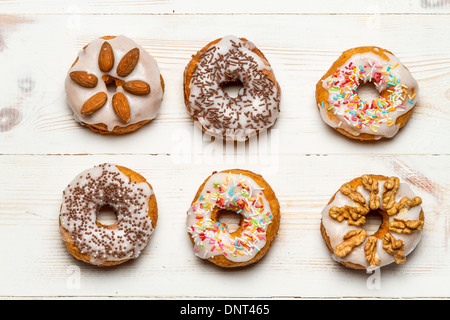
(133, 202)
(231, 60)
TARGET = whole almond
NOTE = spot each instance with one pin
(94, 103)
(128, 62)
(121, 106)
(106, 57)
(137, 87)
(84, 79)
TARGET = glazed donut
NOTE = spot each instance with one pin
(132, 199)
(341, 107)
(224, 61)
(245, 193)
(343, 224)
(114, 86)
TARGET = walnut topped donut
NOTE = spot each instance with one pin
(344, 220)
(342, 108)
(114, 86)
(221, 62)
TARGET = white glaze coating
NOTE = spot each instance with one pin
(237, 193)
(256, 107)
(106, 185)
(356, 116)
(337, 230)
(142, 107)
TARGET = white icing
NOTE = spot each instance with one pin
(82, 199)
(259, 97)
(212, 238)
(364, 67)
(337, 230)
(142, 107)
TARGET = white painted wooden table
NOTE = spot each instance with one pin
(304, 160)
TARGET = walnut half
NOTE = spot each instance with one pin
(355, 216)
(405, 226)
(394, 247)
(371, 184)
(352, 239)
(370, 250)
(405, 202)
(390, 189)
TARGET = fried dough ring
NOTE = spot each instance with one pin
(322, 94)
(152, 214)
(380, 234)
(271, 233)
(102, 128)
(189, 73)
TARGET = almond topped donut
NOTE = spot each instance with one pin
(233, 191)
(341, 107)
(132, 199)
(114, 86)
(237, 61)
(344, 220)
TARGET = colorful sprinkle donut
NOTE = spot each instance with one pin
(231, 60)
(341, 107)
(133, 201)
(344, 220)
(248, 195)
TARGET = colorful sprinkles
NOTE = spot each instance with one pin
(237, 193)
(344, 101)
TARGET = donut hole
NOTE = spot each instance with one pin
(107, 216)
(376, 223)
(368, 92)
(232, 88)
(230, 218)
(112, 83)
(373, 222)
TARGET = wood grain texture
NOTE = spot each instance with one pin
(42, 148)
(230, 7)
(35, 261)
(298, 59)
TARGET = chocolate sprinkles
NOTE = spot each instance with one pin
(97, 187)
(254, 109)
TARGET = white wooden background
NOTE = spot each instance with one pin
(42, 148)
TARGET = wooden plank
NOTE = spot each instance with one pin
(300, 49)
(43, 148)
(34, 261)
(230, 7)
